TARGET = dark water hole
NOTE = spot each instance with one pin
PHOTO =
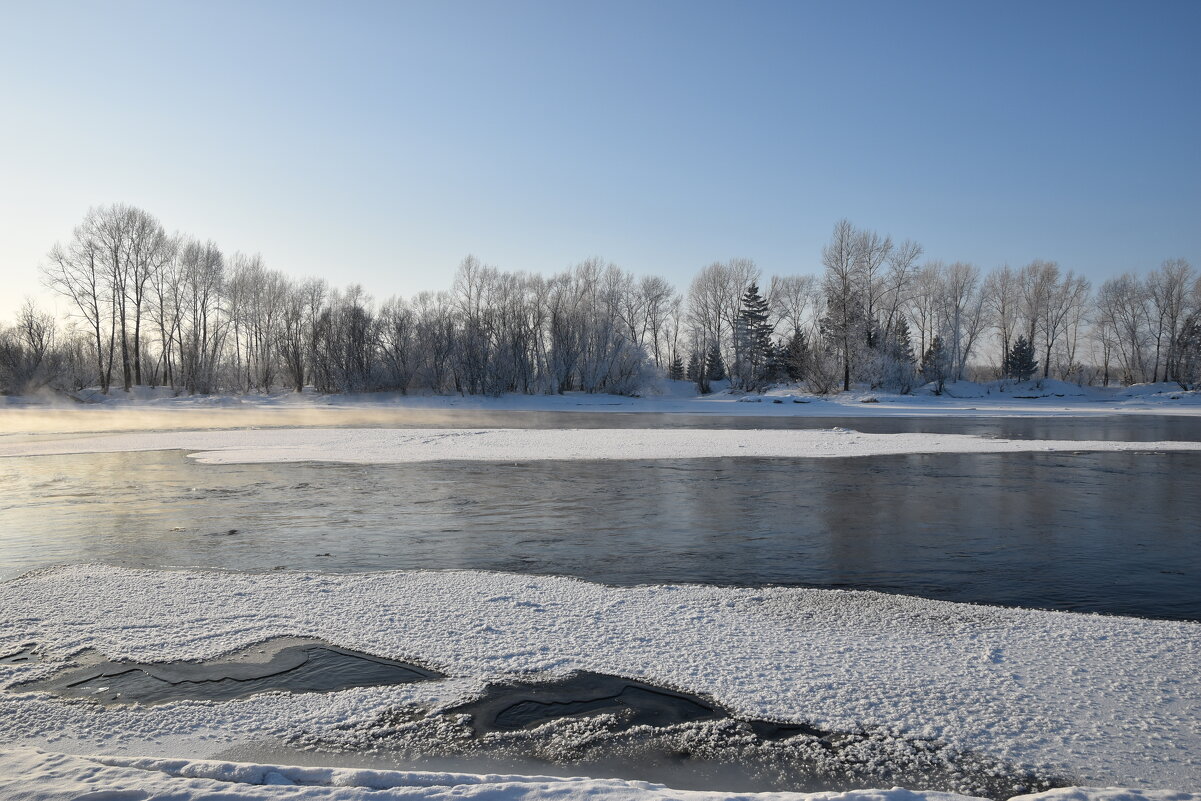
(603, 725)
(299, 667)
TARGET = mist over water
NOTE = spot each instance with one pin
(21, 423)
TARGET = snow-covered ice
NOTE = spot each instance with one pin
(1101, 700)
(396, 445)
(146, 407)
(34, 775)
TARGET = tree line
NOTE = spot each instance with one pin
(159, 309)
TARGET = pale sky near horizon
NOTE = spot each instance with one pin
(379, 143)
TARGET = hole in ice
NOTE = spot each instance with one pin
(514, 706)
(597, 724)
(25, 656)
(289, 665)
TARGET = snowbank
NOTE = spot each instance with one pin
(1104, 700)
(30, 774)
(963, 398)
(398, 445)
(1021, 390)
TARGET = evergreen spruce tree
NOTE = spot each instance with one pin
(693, 370)
(796, 356)
(873, 334)
(901, 342)
(773, 369)
(936, 364)
(676, 371)
(715, 368)
(1021, 363)
(752, 341)
(898, 362)
(1187, 370)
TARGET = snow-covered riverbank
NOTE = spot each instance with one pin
(1047, 398)
(1102, 700)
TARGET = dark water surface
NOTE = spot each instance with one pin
(1105, 532)
(305, 666)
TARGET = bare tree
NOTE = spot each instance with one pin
(872, 252)
(27, 356)
(1064, 302)
(794, 301)
(843, 286)
(961, 313)
(76, 272)
(897, 282)
(1122, 305)
(147, 249)
(1002, 297)
(1167, 293)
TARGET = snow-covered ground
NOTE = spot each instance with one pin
(32, 775)
(390, 446)
(1101, 700)
(1000, 398)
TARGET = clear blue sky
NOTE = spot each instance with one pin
(381, 142)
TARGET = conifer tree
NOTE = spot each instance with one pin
(676, 371)
(897, 362)
(796, 356)
(715, 368)
(936, 365)
(774, 369)
(693, 370)
(752, 341)
(901, 342)
(1187, 369)
(1021, 363)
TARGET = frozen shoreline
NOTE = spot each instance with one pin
(963, 399)
(1105, 700)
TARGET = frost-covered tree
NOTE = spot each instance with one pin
(896, 363)
(843, 287)
(29, 359)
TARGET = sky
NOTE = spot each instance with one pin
(380, 143)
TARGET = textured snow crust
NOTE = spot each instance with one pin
(396, 445)
(33, 775)
(1101, 700)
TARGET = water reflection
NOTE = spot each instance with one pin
(1111, 532)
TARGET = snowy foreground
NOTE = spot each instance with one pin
(38, 776)
(399, 445)
(1097, 700)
